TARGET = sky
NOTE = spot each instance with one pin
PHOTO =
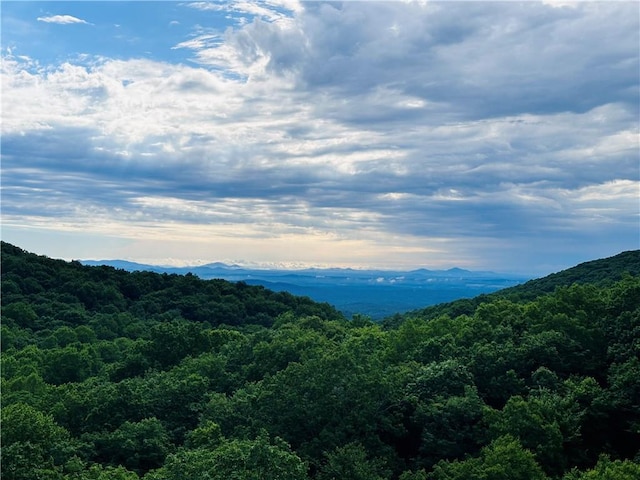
(398, 135)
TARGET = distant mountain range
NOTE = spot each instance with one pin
(376, 293)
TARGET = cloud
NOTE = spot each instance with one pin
(268, 10)
(62, 19)
(392, 134)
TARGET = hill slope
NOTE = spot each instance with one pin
(115, 375)
(600, 272)
(68, 293)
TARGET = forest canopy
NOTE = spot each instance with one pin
(114, 375)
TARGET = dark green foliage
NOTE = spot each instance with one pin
(33, 445)
(45, 294)
(350, 462)
(257, 459)
(503, 459)
(606, 469)
(602, 272)
(139, 446)
(115, 375)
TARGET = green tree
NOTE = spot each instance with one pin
(351, 462)
(607, 469)
(208, 435)
(21, 313)
(33, 445)
(72, 363)
(138, 446)
(503, 459)
(258, 459)
(544, 423)
(76, 469)
(450, 426)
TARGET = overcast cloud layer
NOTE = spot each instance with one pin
(403, 134)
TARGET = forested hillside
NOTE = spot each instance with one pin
(601, 273)
(115, 375)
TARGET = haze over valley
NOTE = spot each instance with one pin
(374, 293)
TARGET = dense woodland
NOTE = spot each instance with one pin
(115, 375)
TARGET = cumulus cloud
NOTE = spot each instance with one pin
(62, 19)
(382, 132)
